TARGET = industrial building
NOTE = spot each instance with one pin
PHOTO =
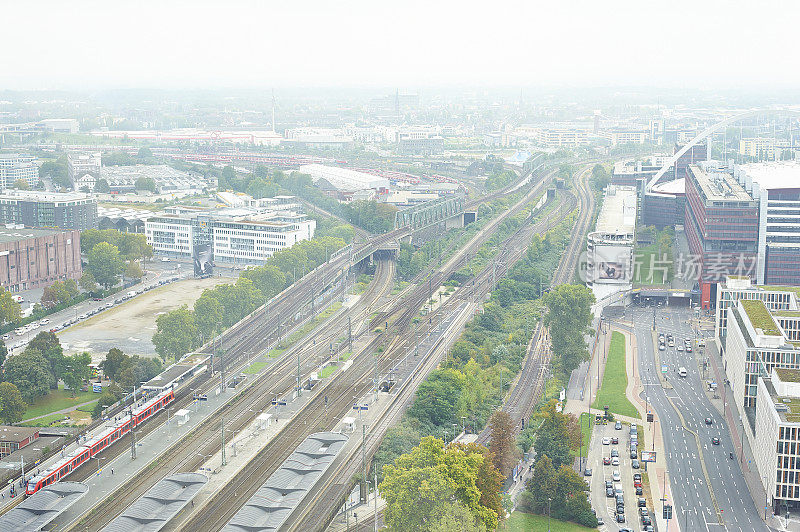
(721, 225)
(16, 166)
(165, 178)
(343, 179)
(236, 236)
(609, 257)
(35, 258)
(48, 209)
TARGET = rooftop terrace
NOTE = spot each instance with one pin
(760, 317)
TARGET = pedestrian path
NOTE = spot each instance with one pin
(62, 411)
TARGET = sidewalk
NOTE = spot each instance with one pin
(62, 411)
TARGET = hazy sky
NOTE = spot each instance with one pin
(238, 43)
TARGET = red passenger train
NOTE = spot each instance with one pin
(100, 441)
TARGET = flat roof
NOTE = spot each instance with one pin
(788, 375)
(773, 174)
(760, 317)
(12, 235)
(162, 502)
(17, 434)
(719, 185)
(618, 214)
(35, 195)
(35, 512)
(676, 186)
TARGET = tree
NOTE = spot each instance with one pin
(12, 407)
(76, 370)
(176, 333)
(557, 434)
(88, 282)
(437, 398)
(101, 186)
(133, 271)
(3, 353)
(114, 362)
(48, 345)
(568, 318)
(208, 313)
(145, 183)
(21, 184)
(106, 398)
(542, 484)
(503, 443)
(105, 264)
(10, 310)
(29, 372)
(455, 516)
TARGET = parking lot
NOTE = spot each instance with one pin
(604, 466)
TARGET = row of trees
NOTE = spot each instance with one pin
(555, 487)
(184, 329)
(59, 292)
(10, 310)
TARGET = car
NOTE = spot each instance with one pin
(616, 476)
(688, 348)
(679, 348)
(621, 509)
(614, 440)
(637, 477)
(6, 337)
(637, 483)
(587, 472)
(634, 464)
(600, 521)
(646, 520)
(97, 299)
(606, 460)
(609, 484)
(614, 453)
(44, 321)
(609, 492)
(615, 461)
(709, 421)
(606, 441)
(643, 510)
(639, 490)
(649, 528)
(641, 502)
(618, 425)
(715, 440)
(33, 325)
(164, 259)
(618, 490)
(620, 518)
(83, 316)
(661, 347)
(634, 454)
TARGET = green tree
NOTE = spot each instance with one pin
(146, 184)
(208, 313)
(106, 398)
(29, 372)
(503, 444)
(21, 184)
(48, 345)
(10, 310)
(12, 407)
(76, 370)
(455, 516)
(88, 282)
(114, 362)
(542, 485)
(105, 264)
(101, 186)
(57, 171)
(3, 353)
(133, 271)
(437, 398)
(176, 333)
(557, 434)
(568, 318)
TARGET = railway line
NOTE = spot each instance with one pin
(187, 454)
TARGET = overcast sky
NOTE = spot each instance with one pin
(239, 43)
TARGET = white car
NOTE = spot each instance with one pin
(33, 325)
(615, 476)
(6, 337)
(45, 321)
(606, 441)
(615, 461)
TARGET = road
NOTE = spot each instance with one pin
(682, 406)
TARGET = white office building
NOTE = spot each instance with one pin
(736, 287)
(14, 166)
(81, 164)
(609, 248)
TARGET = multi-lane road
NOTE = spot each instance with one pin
(707, 485)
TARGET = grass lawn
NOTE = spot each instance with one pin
(256, 367)
(43, 422)
(522, 522)
(344, 356)
(327, 371)
(586, 421)
(650, 268)
(57, 400)
(615, 380)
(87, 408)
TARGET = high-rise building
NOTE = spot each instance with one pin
(609, 248)
(48, 209)
(721, 224)
(15, 166)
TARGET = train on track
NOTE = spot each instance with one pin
(123, 424)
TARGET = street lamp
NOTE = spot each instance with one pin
(549, 500)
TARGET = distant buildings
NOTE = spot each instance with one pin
(59, 125)
(318, 137)
(561, 137)
(609, 248)
(34, 258)
(15, 166)
(79, 165)
(419, 140)
(48, 209)
(619, 136)
(234, 236)
(343, 180)
(764, 148)
(165, 178)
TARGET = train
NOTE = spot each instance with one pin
(89, 449)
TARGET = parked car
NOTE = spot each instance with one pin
(587, 472)
(642, 502)
(709, 421)
(618, 425)
(606, 460)
(639, 490)
(615, 461)
(616, 476)
(614, 440)
(634, 464)
(606, 441)
(609, 492)
(614, 453)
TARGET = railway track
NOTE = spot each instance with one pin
(188, 453)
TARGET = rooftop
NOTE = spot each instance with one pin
(760, 317)
(618, 214)
(676, 186)
(35, 195)
(788, 375)
(13, 235)
(16, 434)
(719, 185)
(771, 175)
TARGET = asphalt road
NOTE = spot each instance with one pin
(693, 504)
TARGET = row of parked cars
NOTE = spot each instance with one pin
(614, 489)
(45, 322)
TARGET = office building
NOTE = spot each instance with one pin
(776, 439)
(15, 438)
(736, 287)
(776, 188)
(235, 236)
(763, 148)
(665, 204)
(16, 166)
(561, 137)
(420, 140)
(82, 164)
(59, 125)
(35, 258)
(721, 225)
(619, 136)
(48, 209)
(609, 258)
